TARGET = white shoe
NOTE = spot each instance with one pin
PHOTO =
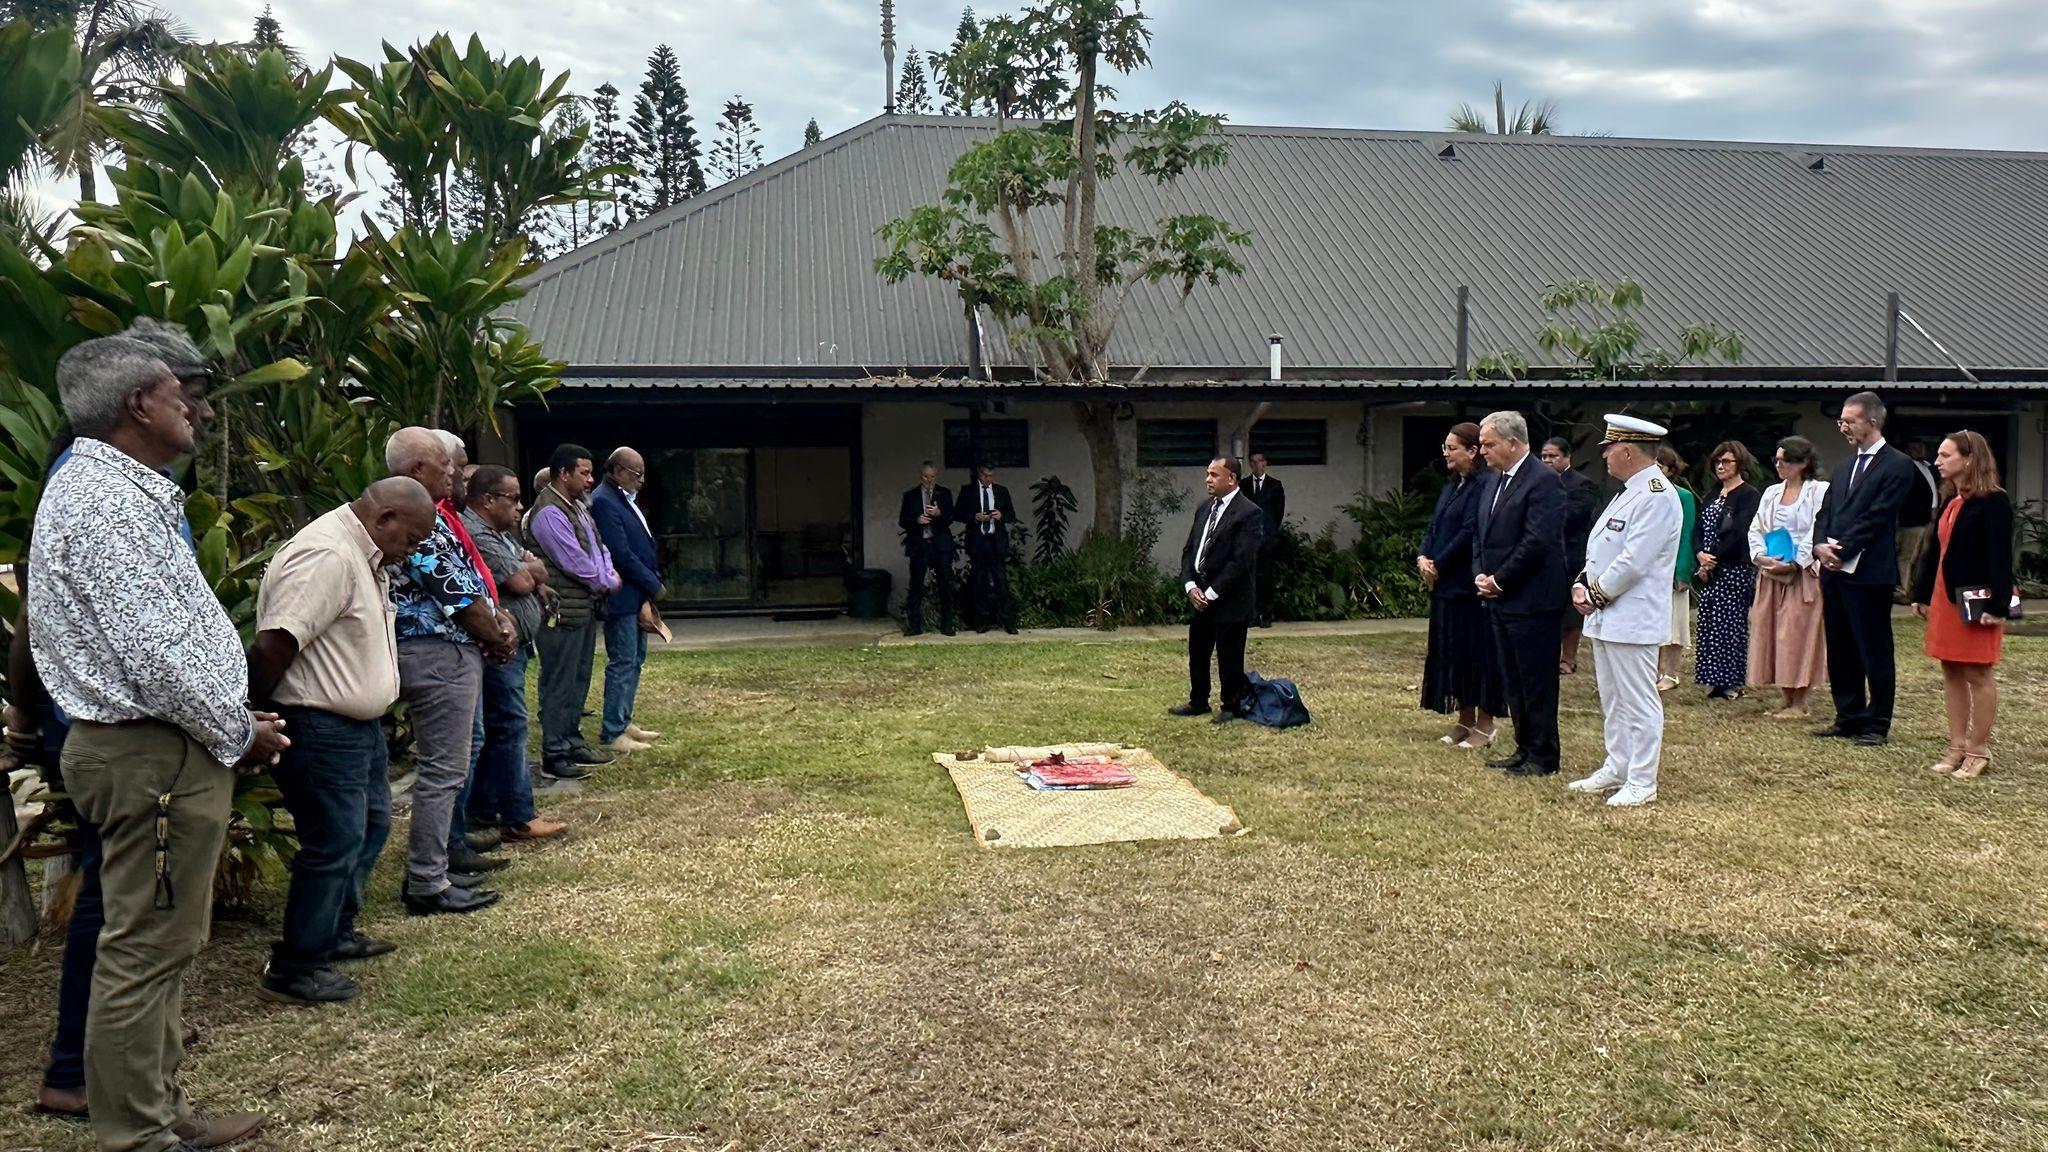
(1601, 781)
(628, 744)
(1632, 798)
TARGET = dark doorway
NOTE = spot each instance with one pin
(755, 506)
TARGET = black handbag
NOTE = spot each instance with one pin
(1973, 603)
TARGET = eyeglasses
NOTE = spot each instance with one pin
(635, 473)
(512, 496)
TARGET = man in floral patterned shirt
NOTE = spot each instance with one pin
(132, 645)
(447, 626)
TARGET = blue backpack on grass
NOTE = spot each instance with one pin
(1273, 703)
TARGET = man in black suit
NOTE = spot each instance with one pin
(1856, 543)
(985, 508)
(1520, 574)
(927, 523)
(1580, 498)
(1271, 496)
(1219, 572)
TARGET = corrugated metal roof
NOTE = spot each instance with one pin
(1360, 240)
(918, 386)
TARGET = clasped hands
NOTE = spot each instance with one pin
(1487, 585)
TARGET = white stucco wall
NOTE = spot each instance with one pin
(897, 437)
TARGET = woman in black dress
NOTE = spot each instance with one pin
(1460, 673)
(1727, 577)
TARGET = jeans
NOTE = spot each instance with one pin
(625, 650)
(336, 782)
(502, 788)
(439, 681)
(74, 981)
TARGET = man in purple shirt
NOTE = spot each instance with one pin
(561, 532)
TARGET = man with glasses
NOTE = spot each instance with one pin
(632, 610)
(1857, 547)
(502, 795)
(130, 643)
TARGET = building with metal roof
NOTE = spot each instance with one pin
(747, 332)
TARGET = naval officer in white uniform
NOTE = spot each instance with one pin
(1625, 596)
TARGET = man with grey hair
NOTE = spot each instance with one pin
(447, 623)
(131, 644)
(1519, 566)
(634, 608)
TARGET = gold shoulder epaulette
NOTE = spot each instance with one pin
(1656, 485)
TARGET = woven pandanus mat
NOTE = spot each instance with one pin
(1005, 812)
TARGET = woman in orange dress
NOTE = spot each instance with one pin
(1973, 554)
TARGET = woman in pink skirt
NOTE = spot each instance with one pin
(1785, 645)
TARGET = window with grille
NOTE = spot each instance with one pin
(1176, 443)
(1292, 441)
(1004, 444)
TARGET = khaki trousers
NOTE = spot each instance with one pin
(134, 1031)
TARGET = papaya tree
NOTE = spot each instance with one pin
(1018, 230)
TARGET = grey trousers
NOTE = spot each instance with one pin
(135, 1030)
(439, 681)
(566, 657)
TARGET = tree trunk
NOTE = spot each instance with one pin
(1097, 421)
(17, 907)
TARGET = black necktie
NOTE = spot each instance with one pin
(1499, 491)
(1856, 473)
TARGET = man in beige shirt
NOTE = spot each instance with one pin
(326, 656)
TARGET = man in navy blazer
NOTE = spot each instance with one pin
(1856, 543)
(615, 505)
(1519, 571)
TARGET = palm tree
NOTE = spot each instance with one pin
(126, 46)
(1531, 119)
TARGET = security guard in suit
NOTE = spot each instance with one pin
(1625, 595)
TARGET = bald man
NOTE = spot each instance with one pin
(326, 658)
(615, 505)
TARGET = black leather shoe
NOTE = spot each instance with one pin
(588, 756)
(1226, 715)
(913, 631)
(450, 900)
(484, 839)
(948, 630)
(1871, 739)
(1510, 762)
(565, 770)
(356, 946)
(1833, 732)
(1531, 768)
(1188, 709)
(462, 879)
(321, 985)
(475, 862)
(1011, 629)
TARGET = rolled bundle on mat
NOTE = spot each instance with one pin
(1024, 755)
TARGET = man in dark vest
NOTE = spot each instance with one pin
(927, 522)
(561, 532)
(984, 507)
(1271, 496)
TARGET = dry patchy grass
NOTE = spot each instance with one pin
(775, 932)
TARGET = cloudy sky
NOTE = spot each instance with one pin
(1954, 73)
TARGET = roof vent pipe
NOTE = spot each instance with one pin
(1273, 343)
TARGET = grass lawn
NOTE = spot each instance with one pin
(776, 932)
